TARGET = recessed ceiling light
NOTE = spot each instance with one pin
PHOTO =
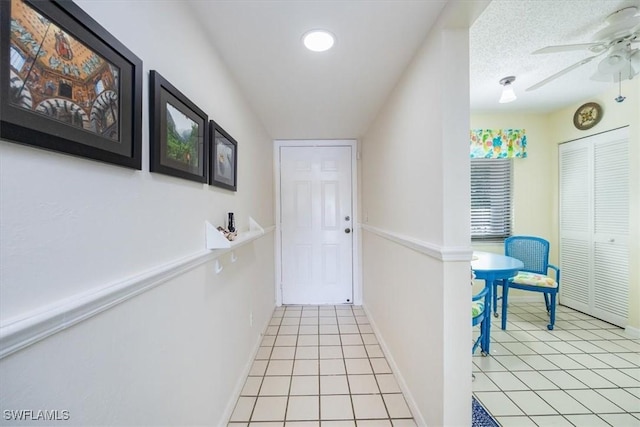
(318, 40)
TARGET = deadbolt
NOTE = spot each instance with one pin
(347, 218)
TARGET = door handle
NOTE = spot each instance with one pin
(347, 230)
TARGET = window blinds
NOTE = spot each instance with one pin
(490, 199)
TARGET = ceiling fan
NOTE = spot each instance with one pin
(619, 41)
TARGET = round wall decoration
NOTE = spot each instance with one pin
(587, 116)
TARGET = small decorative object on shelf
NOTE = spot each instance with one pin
(230, 235)
(231, 223)
(222, 238)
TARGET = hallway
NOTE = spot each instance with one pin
(320, 364)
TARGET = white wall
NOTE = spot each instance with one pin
(72, 228)
(415, 204)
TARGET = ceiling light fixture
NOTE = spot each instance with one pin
(318, 40)
(508, 95)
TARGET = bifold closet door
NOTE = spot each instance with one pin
(594, 225)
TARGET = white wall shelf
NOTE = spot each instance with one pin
(214, 238)
(216, 241)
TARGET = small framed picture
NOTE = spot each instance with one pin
(223, 165)
(178, 132)
(68, 85)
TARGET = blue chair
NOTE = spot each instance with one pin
(534, 253)
(480, 315)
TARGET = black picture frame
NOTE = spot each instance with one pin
(171, 152)
(223, 163)
(68, 85)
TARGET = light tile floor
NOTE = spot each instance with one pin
(584, 373)
(320, 365)
(323, 366)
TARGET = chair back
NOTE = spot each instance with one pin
(532, 251)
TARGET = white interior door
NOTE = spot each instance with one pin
(316, 221)
(594, 225)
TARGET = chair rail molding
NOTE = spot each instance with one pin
(22, 331)
(442, 253)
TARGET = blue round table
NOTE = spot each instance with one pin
(491, 267)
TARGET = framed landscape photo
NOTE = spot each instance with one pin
(223, 166)
(68, 85)
(179, 132)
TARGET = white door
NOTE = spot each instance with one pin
(316, 225)
(594, 225)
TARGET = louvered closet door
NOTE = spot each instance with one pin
(594, 225)
(575, 225)
(611, 228)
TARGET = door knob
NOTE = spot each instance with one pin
(347, 230)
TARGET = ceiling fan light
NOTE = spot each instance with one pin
(508, 95)
(612, 64)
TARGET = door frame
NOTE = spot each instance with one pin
(356, 270)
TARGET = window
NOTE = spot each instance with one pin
(17, 60)
(99, 87)
(65, 89)
(490, 199)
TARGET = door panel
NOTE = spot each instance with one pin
(315, 200)
(594, 225)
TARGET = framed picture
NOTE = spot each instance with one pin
(223, 165)
(68, 85)
(179, 132)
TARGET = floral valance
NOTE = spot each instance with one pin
(498, 143)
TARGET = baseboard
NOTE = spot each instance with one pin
(417, 415)
(22, 331)
(235, 395)
(632, 332)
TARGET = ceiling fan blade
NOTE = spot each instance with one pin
(561, 73)
(570, 47)
(618, 29)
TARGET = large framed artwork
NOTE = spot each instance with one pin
(223, 166)
(68, 85)
(179, 132)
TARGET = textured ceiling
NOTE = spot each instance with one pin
(503, 37)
